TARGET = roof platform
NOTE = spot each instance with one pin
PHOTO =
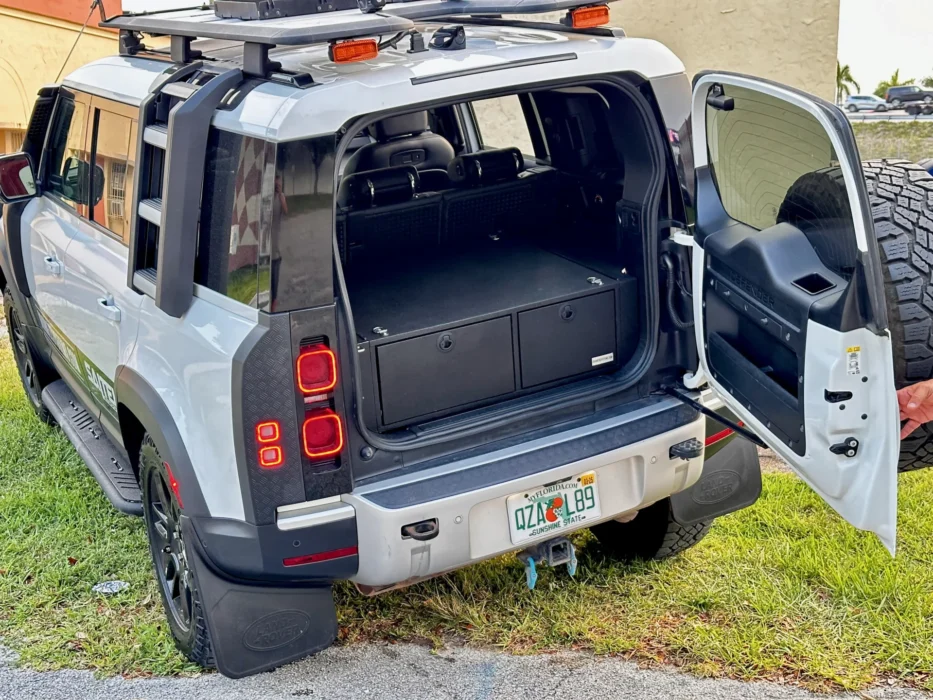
(282, 31)
(322, 24)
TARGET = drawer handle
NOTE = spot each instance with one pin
(567, 312)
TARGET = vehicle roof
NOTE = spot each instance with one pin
(497, 57)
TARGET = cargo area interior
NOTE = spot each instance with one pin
(479, 276)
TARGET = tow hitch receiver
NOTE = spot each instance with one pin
(554, 552)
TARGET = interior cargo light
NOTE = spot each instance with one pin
(317, 369)
(270, 456)
(355, 50)
(321, 556)
(322, 434)
(587, 17)
(268, 431)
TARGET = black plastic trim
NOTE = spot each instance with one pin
(664, 419)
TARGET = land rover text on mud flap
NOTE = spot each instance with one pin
(374, 294)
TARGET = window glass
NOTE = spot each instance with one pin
(67, 169)
(501, 122)
(114, 173)
(773, 162)
(233, 243)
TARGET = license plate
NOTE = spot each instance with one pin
(552, 508)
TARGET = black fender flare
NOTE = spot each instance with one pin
(138, 397)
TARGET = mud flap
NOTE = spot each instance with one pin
(731, 481)
(257, 628)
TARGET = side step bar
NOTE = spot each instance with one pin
(107, 462)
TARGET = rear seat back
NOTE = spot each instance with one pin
(493, 196)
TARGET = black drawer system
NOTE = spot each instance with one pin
(464, 330)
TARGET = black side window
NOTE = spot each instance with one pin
(236, 215)
(67, 165)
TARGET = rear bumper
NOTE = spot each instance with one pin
(629, 451)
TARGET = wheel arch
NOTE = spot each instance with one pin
(141, 410)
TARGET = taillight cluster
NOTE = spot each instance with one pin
(321, 429)
(316, 375)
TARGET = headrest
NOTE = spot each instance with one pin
(403, 125)
(486, 167)
(379, 187)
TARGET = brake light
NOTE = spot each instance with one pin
(587, 17)
(355, 50)
(268, 432)
(322, 434)
(317, 369)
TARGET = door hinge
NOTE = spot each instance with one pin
(847, 448)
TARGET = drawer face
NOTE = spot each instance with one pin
(439, 371)
(568, 338)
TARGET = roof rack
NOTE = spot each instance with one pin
(301, 22)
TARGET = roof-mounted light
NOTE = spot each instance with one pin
(353, 51)
(588, 17)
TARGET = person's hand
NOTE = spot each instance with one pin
(916, 404)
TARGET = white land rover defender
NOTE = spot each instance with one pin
(330, 292)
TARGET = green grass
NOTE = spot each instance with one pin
(911, 141)
(781, 590)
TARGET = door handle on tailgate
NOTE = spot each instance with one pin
(109, 309)
(53, 266)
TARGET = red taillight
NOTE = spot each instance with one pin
(322, 434)
(270, 456)
(321, 556)
(268, 431)
(317, 369)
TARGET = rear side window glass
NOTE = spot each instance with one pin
(67, 169)
(773, 162)
(236, 214)
(502, 124)
(113, 173)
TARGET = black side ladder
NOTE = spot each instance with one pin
(174, 122)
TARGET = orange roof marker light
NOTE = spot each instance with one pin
(355, 50)
(588, 17)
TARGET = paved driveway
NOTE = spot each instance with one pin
(404, 672)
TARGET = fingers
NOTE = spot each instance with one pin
(919, 395)
(909, 427)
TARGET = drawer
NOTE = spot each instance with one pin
(569, 338)
(432, 373)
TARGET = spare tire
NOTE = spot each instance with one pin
(901, 196)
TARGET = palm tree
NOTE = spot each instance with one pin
(843, 80)
(893, 81)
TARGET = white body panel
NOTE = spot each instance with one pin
(95, 270)
(48, 229)
(862, 488)
(189, 363)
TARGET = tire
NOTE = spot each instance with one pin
(178, 587)
(902, 207)
(852, 108)
(25, 359)
(928, 99)
(896, 103)
(927, 165)
(652, 534)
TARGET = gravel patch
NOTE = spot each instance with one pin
(398, 672)
(771, 463)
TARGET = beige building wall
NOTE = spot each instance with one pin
(32, 51)
(792, 42)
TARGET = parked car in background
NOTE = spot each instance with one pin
(896, 96)
(865, 103)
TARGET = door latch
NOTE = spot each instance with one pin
(848, 447)
(53, 266)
